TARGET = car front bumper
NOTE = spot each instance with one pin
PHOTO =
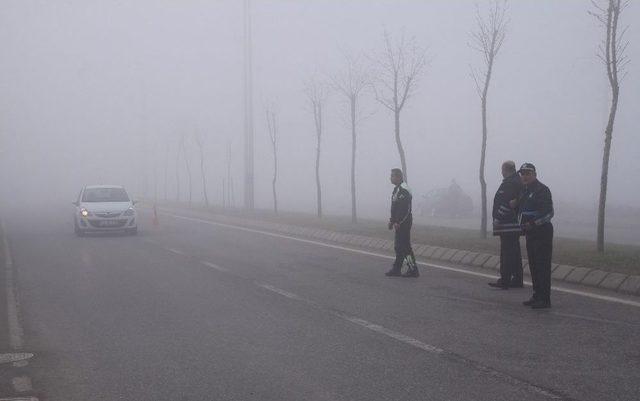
(94, 223)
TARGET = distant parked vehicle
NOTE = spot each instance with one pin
(104, 208)
(448, 202)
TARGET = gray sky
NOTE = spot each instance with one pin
(97, 91)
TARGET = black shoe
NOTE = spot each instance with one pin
(393, 273)
(541, 305)
(529, 302)
(412, 273)
(499, 285)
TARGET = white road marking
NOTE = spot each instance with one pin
(435, 266)
(16, 333)
(214, 266)
(15, 357)
(176, 251)
(418, 344)
(402, 338)
(594, 319)
(390, 333)
(19, 399)
(356, 320)
(21, 364)
(284, 293)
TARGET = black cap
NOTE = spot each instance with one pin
(527, 167)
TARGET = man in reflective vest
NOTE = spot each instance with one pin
(401, 221)
(507, 227)
(536, 211)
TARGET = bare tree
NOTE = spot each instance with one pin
(350, 83)
(487, 40)
(178, 151)
(166, 172)
(399, 67)
(612, 54)
(200, 143)
(272, 127)
(316, 92)
(229, 200)
(183, 145)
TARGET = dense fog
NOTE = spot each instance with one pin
(105, 91)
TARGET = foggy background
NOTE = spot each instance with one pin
(102, 91)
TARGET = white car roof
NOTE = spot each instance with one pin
(103, 186)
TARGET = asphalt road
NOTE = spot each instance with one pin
(196, 311)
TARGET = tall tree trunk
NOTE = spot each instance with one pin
(204, 179)
(188, 166)
(399, 144)
(178, 175)
(483, 149)
(224, 193)
(166, 174)
(354, 215)
(483, 183)
(319, 136)
(608, 133)
(275, 178)
(318, 186)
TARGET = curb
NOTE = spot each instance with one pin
(17, 360)
(623, 283)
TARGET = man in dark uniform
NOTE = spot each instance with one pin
(401, 221)
(507, 227)
(536, 210)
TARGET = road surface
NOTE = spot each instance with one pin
(192, 310)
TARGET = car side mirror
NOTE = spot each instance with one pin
(134, 202)
(76, 203)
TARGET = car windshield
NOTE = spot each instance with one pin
(105, 195)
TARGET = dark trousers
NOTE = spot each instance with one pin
(402, 243)
(510, 259)
(539, 249)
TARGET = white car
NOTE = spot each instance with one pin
(103, 208)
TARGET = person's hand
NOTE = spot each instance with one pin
(390, 225)
(513, 203)
(396, 226)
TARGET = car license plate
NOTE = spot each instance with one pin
(108, 223)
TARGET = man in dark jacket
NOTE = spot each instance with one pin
(536, 210)
(507, 227)
(401, 221)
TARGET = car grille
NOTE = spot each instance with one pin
(108, 214)
(110, 224)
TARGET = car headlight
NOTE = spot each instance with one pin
(84, 212)
(129, 212)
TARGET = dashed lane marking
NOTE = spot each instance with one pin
(356, 320)
(586, 294)
(214, 266)
(283, 292)
(19, 399)
(422, 346)
(15, 357)
(176, 251)
(402, 338)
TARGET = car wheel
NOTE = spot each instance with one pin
(79, 232)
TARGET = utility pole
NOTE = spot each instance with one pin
(248, 110)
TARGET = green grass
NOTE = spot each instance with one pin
(618, 258)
